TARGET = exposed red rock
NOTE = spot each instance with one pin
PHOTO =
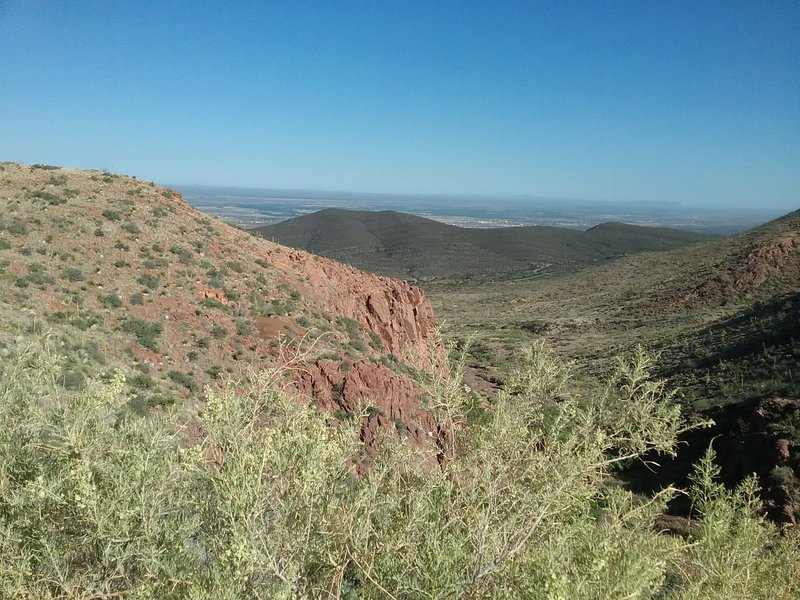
(397, 312)
(748, 265)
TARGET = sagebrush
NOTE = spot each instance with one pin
(97, 501)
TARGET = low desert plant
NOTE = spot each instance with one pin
(96, 501)
(147, 333)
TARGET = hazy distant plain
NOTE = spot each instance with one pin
(254, 207)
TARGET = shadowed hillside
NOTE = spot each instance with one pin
(402, 245)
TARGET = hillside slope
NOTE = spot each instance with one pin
(724, 317)
(124, 274)
(402, 245)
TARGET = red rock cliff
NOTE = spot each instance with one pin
(395, 311)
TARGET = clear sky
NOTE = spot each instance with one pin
(694, 102)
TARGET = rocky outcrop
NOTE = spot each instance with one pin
(775, 261)
(759, 437)
(392, 399)
(398, 313)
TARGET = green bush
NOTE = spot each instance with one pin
(97, 502)
(137, 299)
(149, 281)
(146, 333)
(73, 274)
(183, 379)
(110, 300)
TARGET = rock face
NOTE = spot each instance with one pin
(393, 398)
(752, 444)
(398, 313)
(758, 263)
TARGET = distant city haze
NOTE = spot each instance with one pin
(249, 208)
(687, 102)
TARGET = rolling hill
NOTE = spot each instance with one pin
(118, 273)
(408, 246)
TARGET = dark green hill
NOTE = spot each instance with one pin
(403, 245)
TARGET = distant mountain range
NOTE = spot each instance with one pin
(403, 245)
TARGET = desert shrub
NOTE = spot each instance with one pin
(235, 266)
(244, 327)
(57, 180)
(38, 275)
(84, 319)
(112, 215)
(214, 372)
(93, 352)
(142, 381)
(73, 274)
(17, 227)
(352, 327)
(97, 502)
(48, 197)
(137, 299)
(155, 263)
(183, 379)
(214, 303)
(375, 340)
(149, 281)
(734, 552)
(110, 301)
(146, 333)
(230, 293)
(184, 254)
(73, 379)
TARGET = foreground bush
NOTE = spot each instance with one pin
(97, 502)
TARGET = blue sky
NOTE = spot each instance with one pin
(694, 102)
